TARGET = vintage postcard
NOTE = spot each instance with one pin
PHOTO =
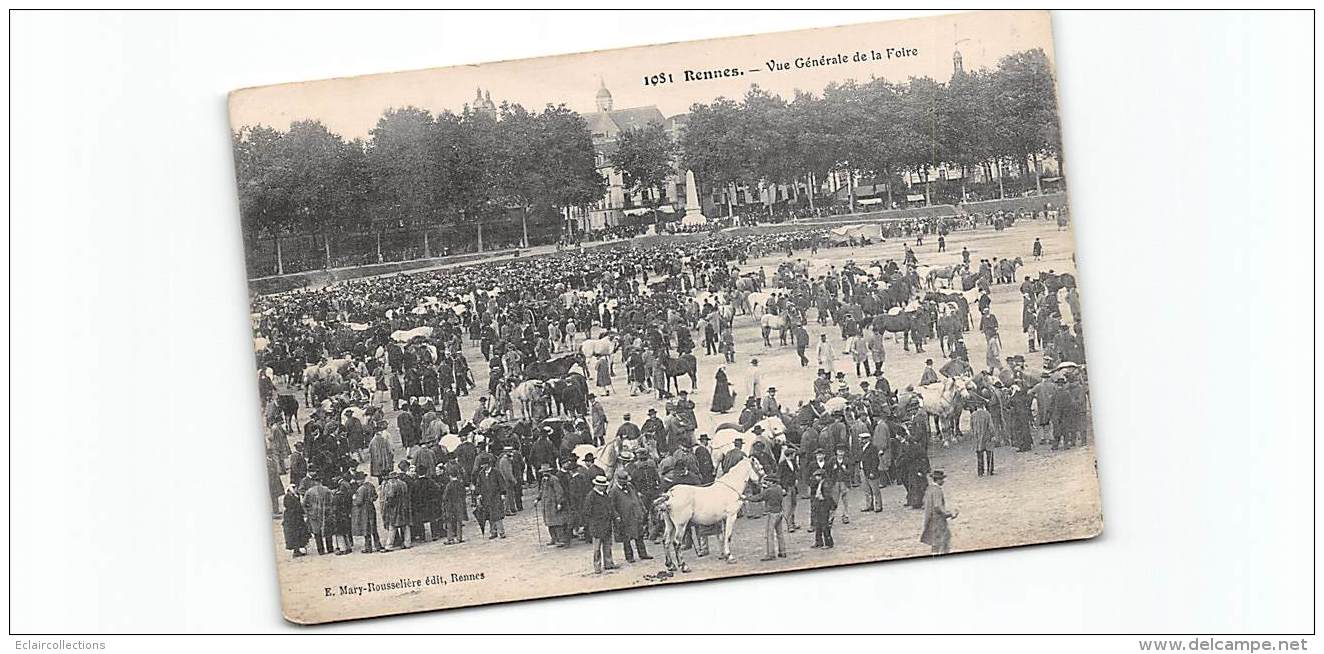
(663, 314)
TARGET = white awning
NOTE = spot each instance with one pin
(867, 201)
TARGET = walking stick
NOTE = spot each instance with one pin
(538, 529)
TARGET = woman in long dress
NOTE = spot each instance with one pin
(723, 398)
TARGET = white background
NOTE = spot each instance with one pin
(137, 484)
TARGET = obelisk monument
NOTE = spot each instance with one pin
(693, 210)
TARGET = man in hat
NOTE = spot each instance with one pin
(644, 476)
(801, 336)
(841, 388)
(1018, 417)
(788, 476)
(397, 511)
(774, 525)
(298, 464)
(653, 429)
(591, 465)
(318, 504)
(552, 503)
(597, 417)
(750, 414)
(491, 486)
(732, 456)
(599, 515)
(579, 483)
(511, 486)
(821, 507)
(827, 355)
(1065, 410)
(630, 512)
(364, 519)
(870, 464)
(929, 376)
(453, 494)
(684, 409)
(771, 408)
(754, 379)
(542, 453)
(838, 475)
(703, 460)
(936, 533)
(983, 435)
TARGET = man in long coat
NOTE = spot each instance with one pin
(703, 461)
(984, 435)
(364, 520)
(599, 516)
(491, 486)
(552, 501)
(397, 511)
(318, 503)
(381, 461)
(937, 535)
(629, 509)
(294, 524)
(913, 465)
(597, 417)
(409, 429)
(1018, 418)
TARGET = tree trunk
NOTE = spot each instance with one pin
(1002, 193)
(379, 246)
(480, 236)
(524, 226)
(850, 187)
(427, 247)
(1038, 184)
(889, 191)
(326, 245)
(280, 262)
(810, 179)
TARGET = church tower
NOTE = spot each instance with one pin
(603, 97)
(957, 66)
(483, 103)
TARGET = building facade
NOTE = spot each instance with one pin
(605, 126)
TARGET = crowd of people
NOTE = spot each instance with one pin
(361, 385)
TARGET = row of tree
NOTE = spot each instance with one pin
(464, 169)
(415, 169)
(989, 120)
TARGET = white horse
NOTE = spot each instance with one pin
(945, 401)
(526, 394)
(758, 303)
(684, 506)
(774, 430)
(604, 457)
(604, 346)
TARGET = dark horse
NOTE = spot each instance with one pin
(1054, 282)
(553, 368)
(911, 324)
(681, 366)
(569, 394)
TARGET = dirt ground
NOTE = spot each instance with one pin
(1036, 497)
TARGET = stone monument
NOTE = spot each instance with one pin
(693, 210)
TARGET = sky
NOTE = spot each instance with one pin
(351, 106)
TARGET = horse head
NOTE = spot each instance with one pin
(756, 471)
